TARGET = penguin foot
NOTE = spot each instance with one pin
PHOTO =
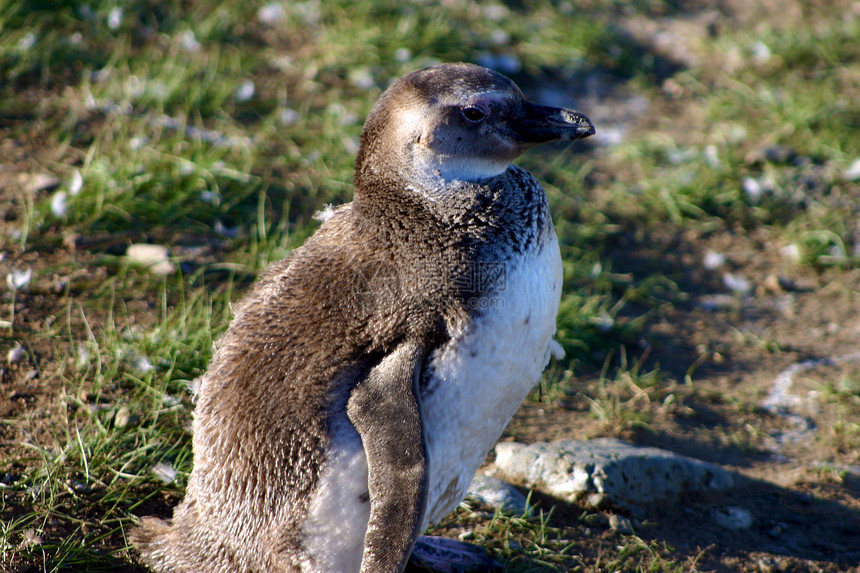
(443, 555)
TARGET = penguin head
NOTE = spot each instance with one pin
(457, 122)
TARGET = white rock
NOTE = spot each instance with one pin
(626, 474)
(497, 494)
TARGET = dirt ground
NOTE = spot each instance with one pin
(802, 491)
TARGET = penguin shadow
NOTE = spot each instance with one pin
(790, 525)
(719, 528)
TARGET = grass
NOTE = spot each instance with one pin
(219, 127)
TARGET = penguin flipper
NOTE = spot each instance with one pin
(384, 409)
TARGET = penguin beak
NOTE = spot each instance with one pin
(540, 124)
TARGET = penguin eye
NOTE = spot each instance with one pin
(473, 114)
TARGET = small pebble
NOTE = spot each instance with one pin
(620, 524)
(733, 517)
(772, 285)
(791, 252)
(596, 500)
(122, 417)
(39, 182)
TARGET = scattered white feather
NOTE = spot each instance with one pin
(76, 183)
(16, 354)
(188, 42)
(136, 143)
(556, 349)
(142, 364)
(324, 215)
(32, 538)
(853, 171)
(761, 53)
(27, 41)
(226, 231)
(500, 38)
(194, 388)
(19, 279)
(403, 55)
(245, 91)
(603, 322)
(156, 258)
(737, 283)
(210, 196)
(287, 116)
(271, 14)
(712, 156)
(164, 472)
(59, 204)
(713, 260)
(752, 188)
(114, 20)
(495, 12)
(83, 355)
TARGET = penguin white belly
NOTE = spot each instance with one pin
(337, 517)
(482, 375)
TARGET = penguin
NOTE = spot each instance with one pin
(364, 378)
